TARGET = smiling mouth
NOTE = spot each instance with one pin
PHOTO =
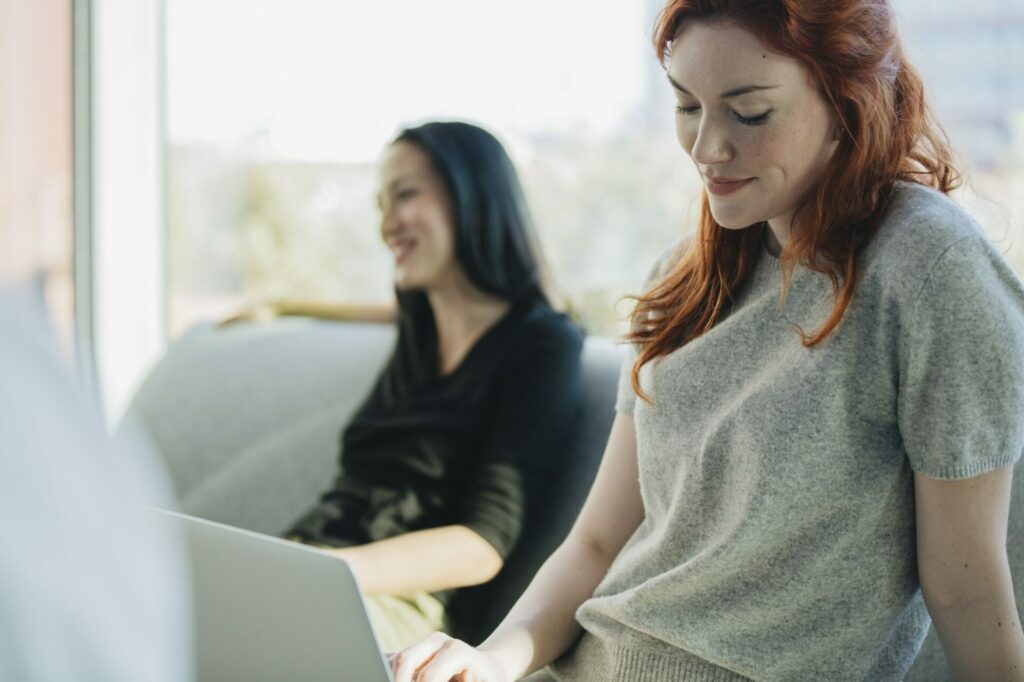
(401, 248)
(723, 186)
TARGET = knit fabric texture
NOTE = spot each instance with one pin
(779, 534)
(594, 659)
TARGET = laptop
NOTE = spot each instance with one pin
(273, 610)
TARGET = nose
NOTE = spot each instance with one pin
(388, 222)
(711, 145)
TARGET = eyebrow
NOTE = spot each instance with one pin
(735, 92)
(402, 178)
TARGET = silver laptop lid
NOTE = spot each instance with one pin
(273, 610)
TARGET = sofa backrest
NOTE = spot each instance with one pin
(248, 416)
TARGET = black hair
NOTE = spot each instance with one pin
(494, 239)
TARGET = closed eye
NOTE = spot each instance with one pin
(753, 120)
(745, 120)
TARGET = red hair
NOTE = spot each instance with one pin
(853, 53)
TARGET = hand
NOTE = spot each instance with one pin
(260, 312)
(439, 658)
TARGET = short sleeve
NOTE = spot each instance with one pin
(538, 399)
(625, 401)
(961, 393)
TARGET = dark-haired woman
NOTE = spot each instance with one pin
(827, 397)
(447, 457)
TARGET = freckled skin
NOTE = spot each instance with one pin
(784, 155)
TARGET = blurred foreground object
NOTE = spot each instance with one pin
(89, 590)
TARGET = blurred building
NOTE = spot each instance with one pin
(971, 56)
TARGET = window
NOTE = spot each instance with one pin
(969, 58)
(277, 110)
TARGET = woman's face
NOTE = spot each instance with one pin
(417, 218)
(755, 126)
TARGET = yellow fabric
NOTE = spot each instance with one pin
(401, 621)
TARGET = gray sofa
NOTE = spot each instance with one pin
(248, 416)
(248, 419)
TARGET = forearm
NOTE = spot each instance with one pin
(965, 575)
(423, 561)
(980, 630)
(541, 626)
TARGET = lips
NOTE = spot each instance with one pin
(401, 248)
(721, 186)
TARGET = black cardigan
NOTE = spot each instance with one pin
(475, 447)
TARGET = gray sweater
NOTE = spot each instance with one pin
(778, 541)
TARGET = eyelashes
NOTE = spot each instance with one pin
(760, 119)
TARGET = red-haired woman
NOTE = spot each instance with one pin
(827, 396)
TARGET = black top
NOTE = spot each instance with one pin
(474, 447)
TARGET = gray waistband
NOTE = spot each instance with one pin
(594, 660)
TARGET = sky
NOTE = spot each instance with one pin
(332, 80)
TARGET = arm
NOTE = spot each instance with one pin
(445, 558)
(965, 577)
(541, 626)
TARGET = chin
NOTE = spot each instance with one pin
(406, 285)
(730, 220)
(404, 282)
(735, 222)
(409, 281)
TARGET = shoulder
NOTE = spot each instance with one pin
(667, 260)
(540, 326)
(540, 356)
(918, 211)
(538, 340)
(933, 266)
(922, 229)
(671, 255)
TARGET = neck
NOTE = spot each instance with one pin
(462, 313)
(777, 235)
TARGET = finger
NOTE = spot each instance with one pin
(448, 663)
(405, 663)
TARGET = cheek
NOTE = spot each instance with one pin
(686, 133)
(442, 234)
(406, 213)
(800, 147)
(768, 151)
